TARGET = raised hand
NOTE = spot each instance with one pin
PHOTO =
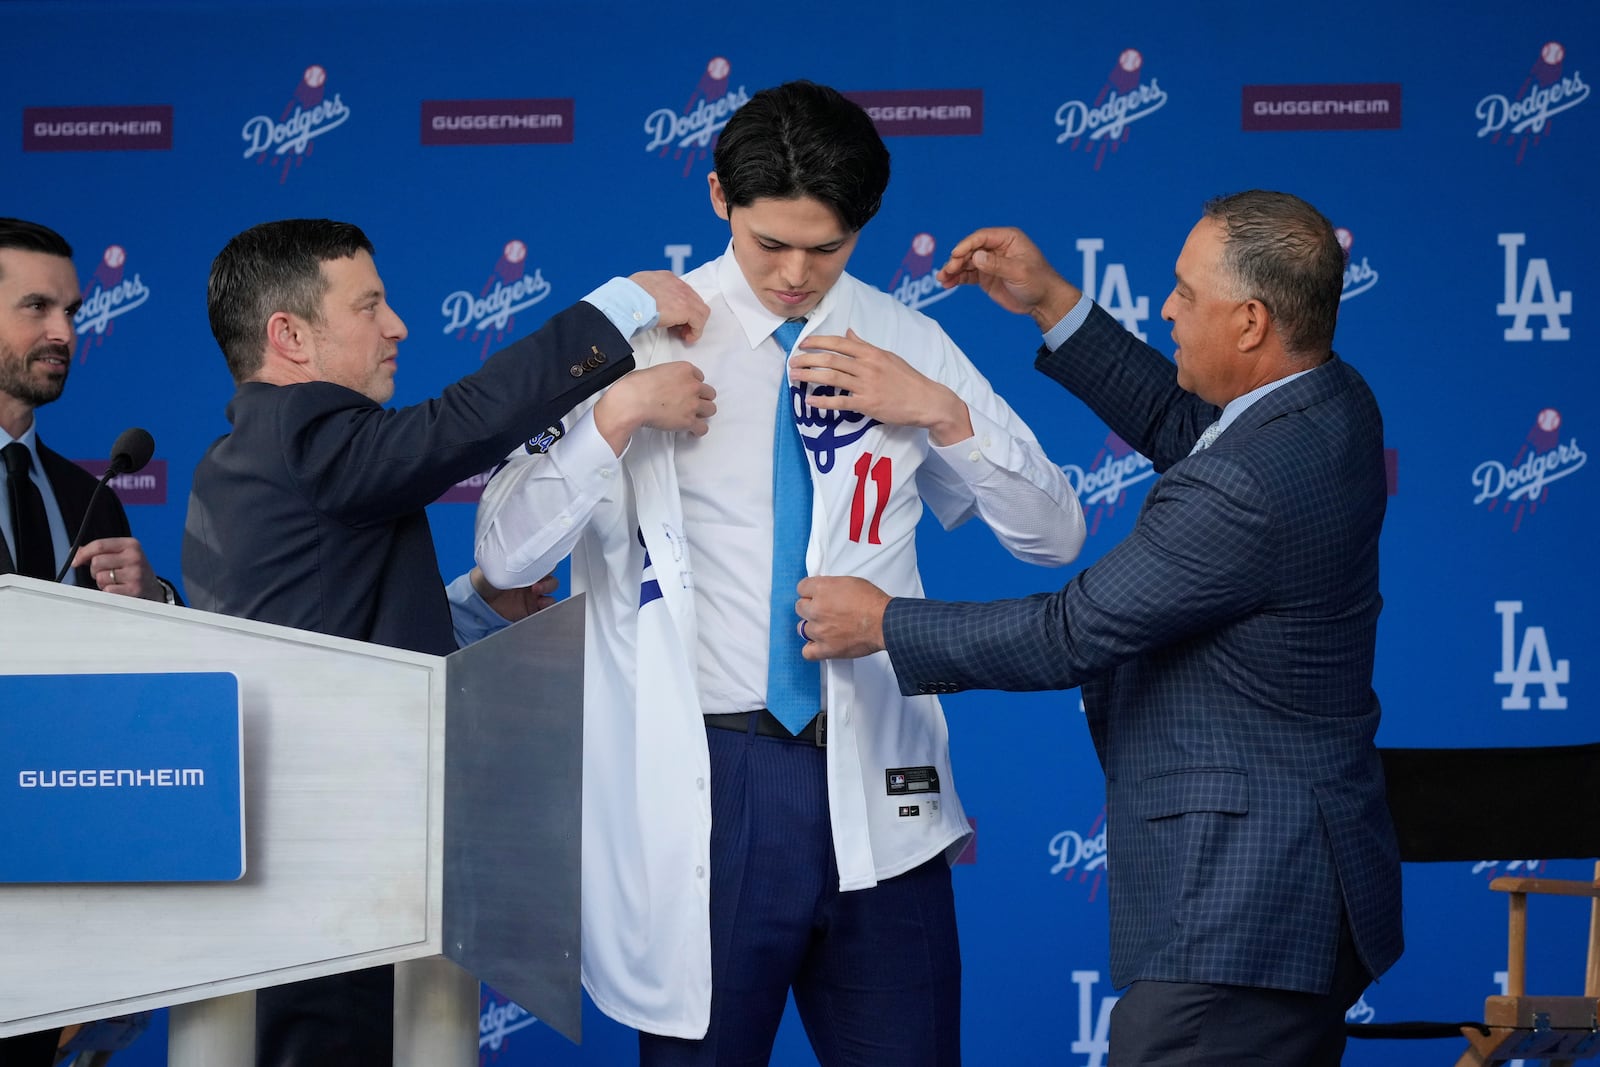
(881, 386)
(1011, 269)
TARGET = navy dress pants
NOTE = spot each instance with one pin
(876, 973)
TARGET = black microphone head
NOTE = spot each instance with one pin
(132, 450)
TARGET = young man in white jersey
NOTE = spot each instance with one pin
(754, 825)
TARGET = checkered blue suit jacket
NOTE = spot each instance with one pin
(1225, 651)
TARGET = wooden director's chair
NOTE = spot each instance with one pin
(1443, 812)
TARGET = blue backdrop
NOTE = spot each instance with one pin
(507, 157)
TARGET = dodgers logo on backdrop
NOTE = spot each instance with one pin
(1102, 487)
(111, 295)
(1520, 486)
(1080, 856)
(309, 114)
(691, 133)
(1532, 664)
(913, 282)
(1113, 292)
(1358, 277)
(1535, 297)
(1360, 1011)
(1094, 1026)
(490, 314)
(1101, 124)
(498, 1019)
(1523, 118)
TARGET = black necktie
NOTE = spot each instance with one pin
(30, 527)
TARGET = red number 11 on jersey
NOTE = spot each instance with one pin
(881, 475)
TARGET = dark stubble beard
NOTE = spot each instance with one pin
(15, 380)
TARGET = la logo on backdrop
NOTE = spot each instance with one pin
(286, 141)
(488, 317)
(1102, 124)
(690, 134)
(1523, 119)
(109, 295)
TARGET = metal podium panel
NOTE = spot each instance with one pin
(513, 812)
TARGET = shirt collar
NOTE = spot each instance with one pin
(1238, 405)
(753, 318)
(29, 439)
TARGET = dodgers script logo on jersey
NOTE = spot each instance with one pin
(111, 294)
(309, 114)
(1081, 856)
(1523, 119)
(691, 134)
(825, 432)
(913, 282)
(1123, 100)
(1358, 277)
(490, 315)
(1102, 487)
(1519, 487)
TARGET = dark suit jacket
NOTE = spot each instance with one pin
(310, 512)
(1225, 651)
(73, 486)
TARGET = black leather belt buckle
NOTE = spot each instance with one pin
(814, 732)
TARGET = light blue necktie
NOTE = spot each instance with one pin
(794, 686)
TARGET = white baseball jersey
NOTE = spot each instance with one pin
(653, 647)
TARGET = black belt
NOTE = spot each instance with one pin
(814, 732)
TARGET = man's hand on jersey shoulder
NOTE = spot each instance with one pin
(670, 396)
(678, 306)
(879, 385)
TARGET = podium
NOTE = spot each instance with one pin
(399, 808)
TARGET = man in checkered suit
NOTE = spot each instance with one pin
(1224, 648)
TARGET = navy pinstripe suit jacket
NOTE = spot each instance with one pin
(1225, 651)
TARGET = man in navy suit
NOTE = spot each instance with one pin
(309, 513)
(1225, 647)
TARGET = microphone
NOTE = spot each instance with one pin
(130, 452)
